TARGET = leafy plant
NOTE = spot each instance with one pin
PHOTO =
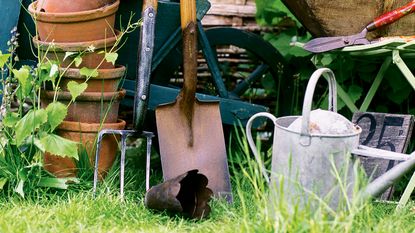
(27, 129)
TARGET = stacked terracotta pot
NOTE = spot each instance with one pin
(85, 26)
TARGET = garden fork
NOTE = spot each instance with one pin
(146, 46)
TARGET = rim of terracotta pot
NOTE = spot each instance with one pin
(90, 127)
(77, 5)
(87, 96)
(114, 73)
(73, 16)
(75, 46)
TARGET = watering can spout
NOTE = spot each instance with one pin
(380, 184)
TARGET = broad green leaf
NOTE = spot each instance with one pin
(4, 59)
(111, 57)
(3, 181)
(19, 188)
(56, 113)
(29, 123)
(11, 119)
(59, 183)
(88, 72)
(78, 61)
(24, 78)
(76, 89)
(60, 146)
(69, 54)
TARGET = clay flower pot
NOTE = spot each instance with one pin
(106, 81)
(86, 135)
(59, 6)
(56, 51)
(75, 26)
(91, 107)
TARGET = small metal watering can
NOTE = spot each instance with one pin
(304, 164)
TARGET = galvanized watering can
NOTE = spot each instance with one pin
(312, 158)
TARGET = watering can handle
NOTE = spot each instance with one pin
(308, 99)
(252, 143)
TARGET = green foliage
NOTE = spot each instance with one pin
(60, 146)
(48, 72)
(76, 89)
(56, 114)
(29, 124)
(111, 57)
(354, 74)
(88, 72)
(25, 80)
(4, 58)
(27, 131)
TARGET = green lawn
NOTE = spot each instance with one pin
(76, 210)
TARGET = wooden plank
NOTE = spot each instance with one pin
(390, 132)
(239, 2)
(233, 10)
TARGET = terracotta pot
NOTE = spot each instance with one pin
(107, 80)
(75, 26)
(62, 6)
(56, 51)
(89, 107)
(86, 135)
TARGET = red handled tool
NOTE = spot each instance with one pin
(324, 44)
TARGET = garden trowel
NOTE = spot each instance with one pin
(190, 131)
(324, 44)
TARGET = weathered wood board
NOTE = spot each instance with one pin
(383, 131)
(233, 13)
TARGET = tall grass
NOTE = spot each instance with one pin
(76, 210)
(264, 212)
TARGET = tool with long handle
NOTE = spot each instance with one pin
(189, 131)
(325, 44)
(148, 15)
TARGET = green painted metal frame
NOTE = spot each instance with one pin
(232, 111)
(391, 50)
(9, 17)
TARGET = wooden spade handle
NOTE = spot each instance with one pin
(187, 97)
(149, 3)
(188, 24)
(187, 12)
(391, 16)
